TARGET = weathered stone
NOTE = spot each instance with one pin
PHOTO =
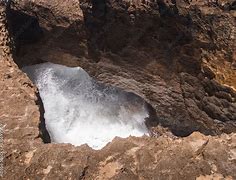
(154, 49)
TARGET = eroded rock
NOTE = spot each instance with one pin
(156, 50)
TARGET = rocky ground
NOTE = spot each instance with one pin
(177, 55)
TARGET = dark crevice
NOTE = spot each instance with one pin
(152, 120)
(24, 29)
(43, 133)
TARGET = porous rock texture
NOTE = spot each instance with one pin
(178, 55)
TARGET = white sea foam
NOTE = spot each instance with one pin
(79, 110)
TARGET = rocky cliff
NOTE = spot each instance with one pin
(177, 55)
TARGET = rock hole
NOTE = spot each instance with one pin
(79, 110)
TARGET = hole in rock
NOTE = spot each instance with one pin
(79, 110)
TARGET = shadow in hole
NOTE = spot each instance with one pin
(152, 120)
(24, 28)
(43, 133)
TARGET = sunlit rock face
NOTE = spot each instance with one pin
(79, 110)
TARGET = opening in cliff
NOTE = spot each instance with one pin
(79, 110)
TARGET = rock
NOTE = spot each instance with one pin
(208, 72)
(158, 54)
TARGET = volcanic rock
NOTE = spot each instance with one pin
(177, 55)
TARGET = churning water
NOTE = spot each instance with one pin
(79, 110)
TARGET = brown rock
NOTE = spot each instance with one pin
(157, 54)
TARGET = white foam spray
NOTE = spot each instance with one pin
(79, 110)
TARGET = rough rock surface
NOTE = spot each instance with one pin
(160, 51)
(173, 54)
